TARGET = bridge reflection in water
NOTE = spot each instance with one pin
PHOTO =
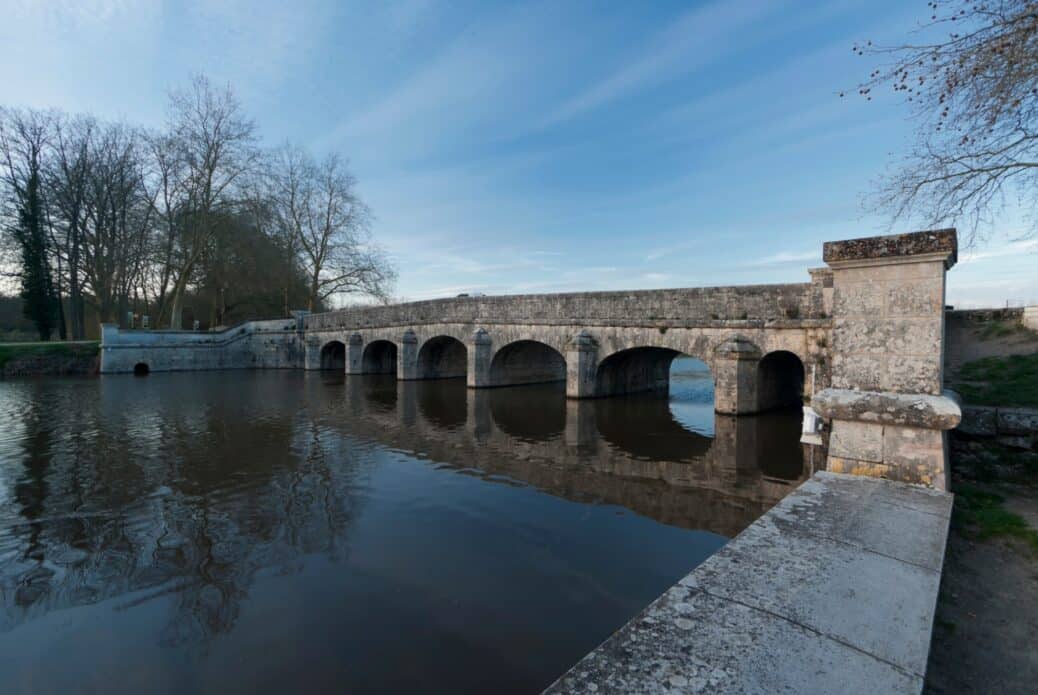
(671, 459)
(278, 530)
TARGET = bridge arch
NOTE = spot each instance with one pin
(379, 357)
(635, 370)
(780, 381)
(333, 356)
(526, 362)
(442, 357)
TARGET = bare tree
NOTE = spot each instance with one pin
(974, 88)
(328, 223)
(66, 183)
(117, 220)
(215, 145)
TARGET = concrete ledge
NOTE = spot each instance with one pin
(885, 408)
(833, 590)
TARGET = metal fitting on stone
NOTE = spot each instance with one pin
(409, 337)
(481, 337)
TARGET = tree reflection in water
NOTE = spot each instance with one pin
(187, 491)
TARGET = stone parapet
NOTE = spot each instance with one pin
(785, 304)
(832, 591)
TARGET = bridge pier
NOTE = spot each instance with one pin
(735, 376)
(355, 354)
(480, 354)
(407, 358)
(581, 366)
(888, 410)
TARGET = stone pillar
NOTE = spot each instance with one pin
(581, 365)
(479, 355)
(888, 410)
(735, 376)
(355, 354)
(407, 357)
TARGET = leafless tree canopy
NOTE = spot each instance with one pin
(145, 221)
(975, 93)
(320, 211)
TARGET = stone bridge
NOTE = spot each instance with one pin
(862, 341)
(763, 343)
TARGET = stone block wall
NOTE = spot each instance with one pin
(638, 307)
(274, 344)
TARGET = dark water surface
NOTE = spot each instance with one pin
(281, 531)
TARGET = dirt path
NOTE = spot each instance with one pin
(986, 634)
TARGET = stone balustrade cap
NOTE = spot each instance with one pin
(903, 409)
(934, 242)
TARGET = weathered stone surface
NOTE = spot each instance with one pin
(861, 441)
(912, 410)
(832, 591)
(917, 453)
(893, 246)
(900, 335)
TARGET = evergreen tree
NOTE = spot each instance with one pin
(37, 285)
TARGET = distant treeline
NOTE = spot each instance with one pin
(192, 222)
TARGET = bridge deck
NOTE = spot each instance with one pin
(833, 590)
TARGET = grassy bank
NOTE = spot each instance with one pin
(12, 351)
(1002, 381)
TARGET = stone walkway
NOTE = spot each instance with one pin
(833, 590)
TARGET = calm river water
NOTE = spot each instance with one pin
(282, 531)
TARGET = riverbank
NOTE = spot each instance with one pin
(987, 611)
(49, 359)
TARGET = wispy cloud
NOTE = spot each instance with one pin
(783, 258)
(689, 42)
(1013, 248)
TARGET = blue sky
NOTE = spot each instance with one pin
(529, 147)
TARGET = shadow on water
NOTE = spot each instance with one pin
(371, 534)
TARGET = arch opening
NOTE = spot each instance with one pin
(442, 357)
(141, 369)
(678, 381)
(780, 381)
(527, 362)
(379, 357)
(636, 370)
(333, 356)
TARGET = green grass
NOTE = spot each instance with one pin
(10, 351)
(1001, 329)
(982, 512)
(1009, 380)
